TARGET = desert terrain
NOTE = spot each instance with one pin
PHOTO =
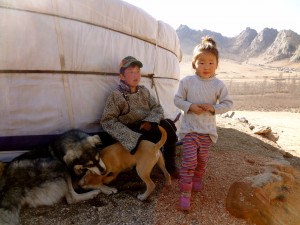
(239, 153)
(277, 101)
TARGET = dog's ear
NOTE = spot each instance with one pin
(94, 140)
(69, 157)
(94, 170)
(78, 169)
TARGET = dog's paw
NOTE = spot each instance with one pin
(168, 182)
(108, 190)
(94, 193)
(142, 197)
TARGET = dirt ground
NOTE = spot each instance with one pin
(238, 154)
(285, 124)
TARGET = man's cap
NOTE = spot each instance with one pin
(127, 61)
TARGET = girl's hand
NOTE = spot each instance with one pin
(196, 108)
(146, 126)
(208, 107)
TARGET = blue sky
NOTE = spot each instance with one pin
(228, 17)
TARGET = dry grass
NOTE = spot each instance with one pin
(276, 102)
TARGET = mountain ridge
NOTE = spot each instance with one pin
(269, 44)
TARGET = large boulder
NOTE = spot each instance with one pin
(270, 197)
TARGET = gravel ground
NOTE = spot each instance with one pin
(238, 154)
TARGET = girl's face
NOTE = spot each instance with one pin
(206, 65)
(132, 77)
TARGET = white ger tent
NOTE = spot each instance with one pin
(59, 60)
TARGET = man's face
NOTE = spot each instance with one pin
(132, 76)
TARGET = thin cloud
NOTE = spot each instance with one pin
(226, 17)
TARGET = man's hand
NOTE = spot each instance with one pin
(146, 126)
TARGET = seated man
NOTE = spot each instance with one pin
(131, 114)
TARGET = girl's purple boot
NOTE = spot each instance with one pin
(185, 197)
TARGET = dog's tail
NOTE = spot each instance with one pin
(10, 206)
(9, 217)
(163, 138)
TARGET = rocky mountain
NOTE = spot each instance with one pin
(284, 46)
(296, 55)
(261, 42)
(243, 40)
(269, 44)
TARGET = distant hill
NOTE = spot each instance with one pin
(269, 44)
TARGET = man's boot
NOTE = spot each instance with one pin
(169, 153)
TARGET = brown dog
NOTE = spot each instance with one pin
(117, 159)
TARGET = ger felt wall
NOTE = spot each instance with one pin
(59, 61)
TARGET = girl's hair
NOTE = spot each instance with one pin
(207, 45)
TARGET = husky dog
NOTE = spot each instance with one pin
(43, 176)
(117, 159)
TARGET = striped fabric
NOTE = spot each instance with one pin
(194, 156)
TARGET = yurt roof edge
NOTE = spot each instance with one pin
(163, 38)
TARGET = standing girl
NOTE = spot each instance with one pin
(201, 97)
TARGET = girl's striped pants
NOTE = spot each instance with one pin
(195, 156)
